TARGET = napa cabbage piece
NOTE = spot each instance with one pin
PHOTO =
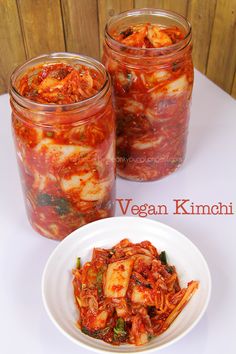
(123, 80)
(100, 320)
(157, 37)
(41, 180)
(142, 339)
(117, 278)
(160, 75)
(142, 260)
(134, 249)
(133, 106)
(142, 295)
(177, 87)
(138, 334)
(89, 275)
(95, 190)
(147, 143)
(90, 188)
(122, 308)
(173, 89)
(60, 152)
(75, 181)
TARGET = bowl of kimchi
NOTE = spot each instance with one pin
(161, 295)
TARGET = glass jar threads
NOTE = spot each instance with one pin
(148, 55)
(64, 133)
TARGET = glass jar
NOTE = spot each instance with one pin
(152, 90)
(65, 151)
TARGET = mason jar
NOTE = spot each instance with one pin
(148, 55)
(64, 133)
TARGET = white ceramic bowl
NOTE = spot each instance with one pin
(57, 288)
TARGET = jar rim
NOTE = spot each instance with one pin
(136, 51)
(45, 58)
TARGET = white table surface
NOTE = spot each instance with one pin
(207, 176)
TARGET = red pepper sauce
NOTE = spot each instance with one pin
(152, 296)
(148, 36)
(60, 83)
(151, 100)
(67, 169)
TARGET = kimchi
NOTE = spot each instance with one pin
(152, 74)
(129, 293)
(64, 132)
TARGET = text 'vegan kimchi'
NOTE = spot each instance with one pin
(152, 73)
(64, 131)
(129, 293)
